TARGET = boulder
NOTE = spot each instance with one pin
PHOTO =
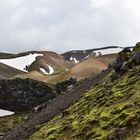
(2, 135)
(64, 86)
(136, 58)
(126, 50)
(118, 63)
(124, 68)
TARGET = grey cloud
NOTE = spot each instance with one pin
(61, 25)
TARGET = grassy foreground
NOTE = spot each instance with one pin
(7, 123)
(109, 111)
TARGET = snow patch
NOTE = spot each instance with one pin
(108, 51)
(45, 72)
(51, 70)
(5, 113)
(98, 54)
(74, 59)
(87, 57)
(21, 62)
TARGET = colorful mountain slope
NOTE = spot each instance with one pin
(109, 111)
(105, 107)
(51, 67)
(85, 69)
(44, 62)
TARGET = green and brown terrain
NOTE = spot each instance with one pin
(105, 106)
(63, 66)
(109, 110)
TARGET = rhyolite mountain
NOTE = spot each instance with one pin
(24, 77)
(103, 107)
(51, 67)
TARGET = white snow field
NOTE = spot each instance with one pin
(5, 113)
(20, 62)
(108, 51)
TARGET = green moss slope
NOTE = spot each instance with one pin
(7, 123)
(109, 111)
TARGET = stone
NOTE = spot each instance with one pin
(136, 58)
(117, 64)
(124, 68)
(126, 50)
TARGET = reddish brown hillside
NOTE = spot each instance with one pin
(87, 68)
(52, 59)
(84, 69)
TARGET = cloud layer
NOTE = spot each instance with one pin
(61, 25)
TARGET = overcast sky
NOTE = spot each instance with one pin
(61, 25)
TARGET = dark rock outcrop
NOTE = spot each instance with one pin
(64, 86)
(23, 94)
(119, 64)
(136, 58)
(126, 60)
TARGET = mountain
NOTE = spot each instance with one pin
(40, 63)
(8, 72)
(53, 68)
(104, 107)
(84, 69)
(34, 60)
(49, 63)
(79, 55)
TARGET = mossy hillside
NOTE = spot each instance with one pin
(7, 123)
(109, 110)
(137, 47)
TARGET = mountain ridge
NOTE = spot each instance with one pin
(103, 107)
(49, 66)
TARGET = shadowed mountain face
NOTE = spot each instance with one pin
(22, 95)
(7, 71)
